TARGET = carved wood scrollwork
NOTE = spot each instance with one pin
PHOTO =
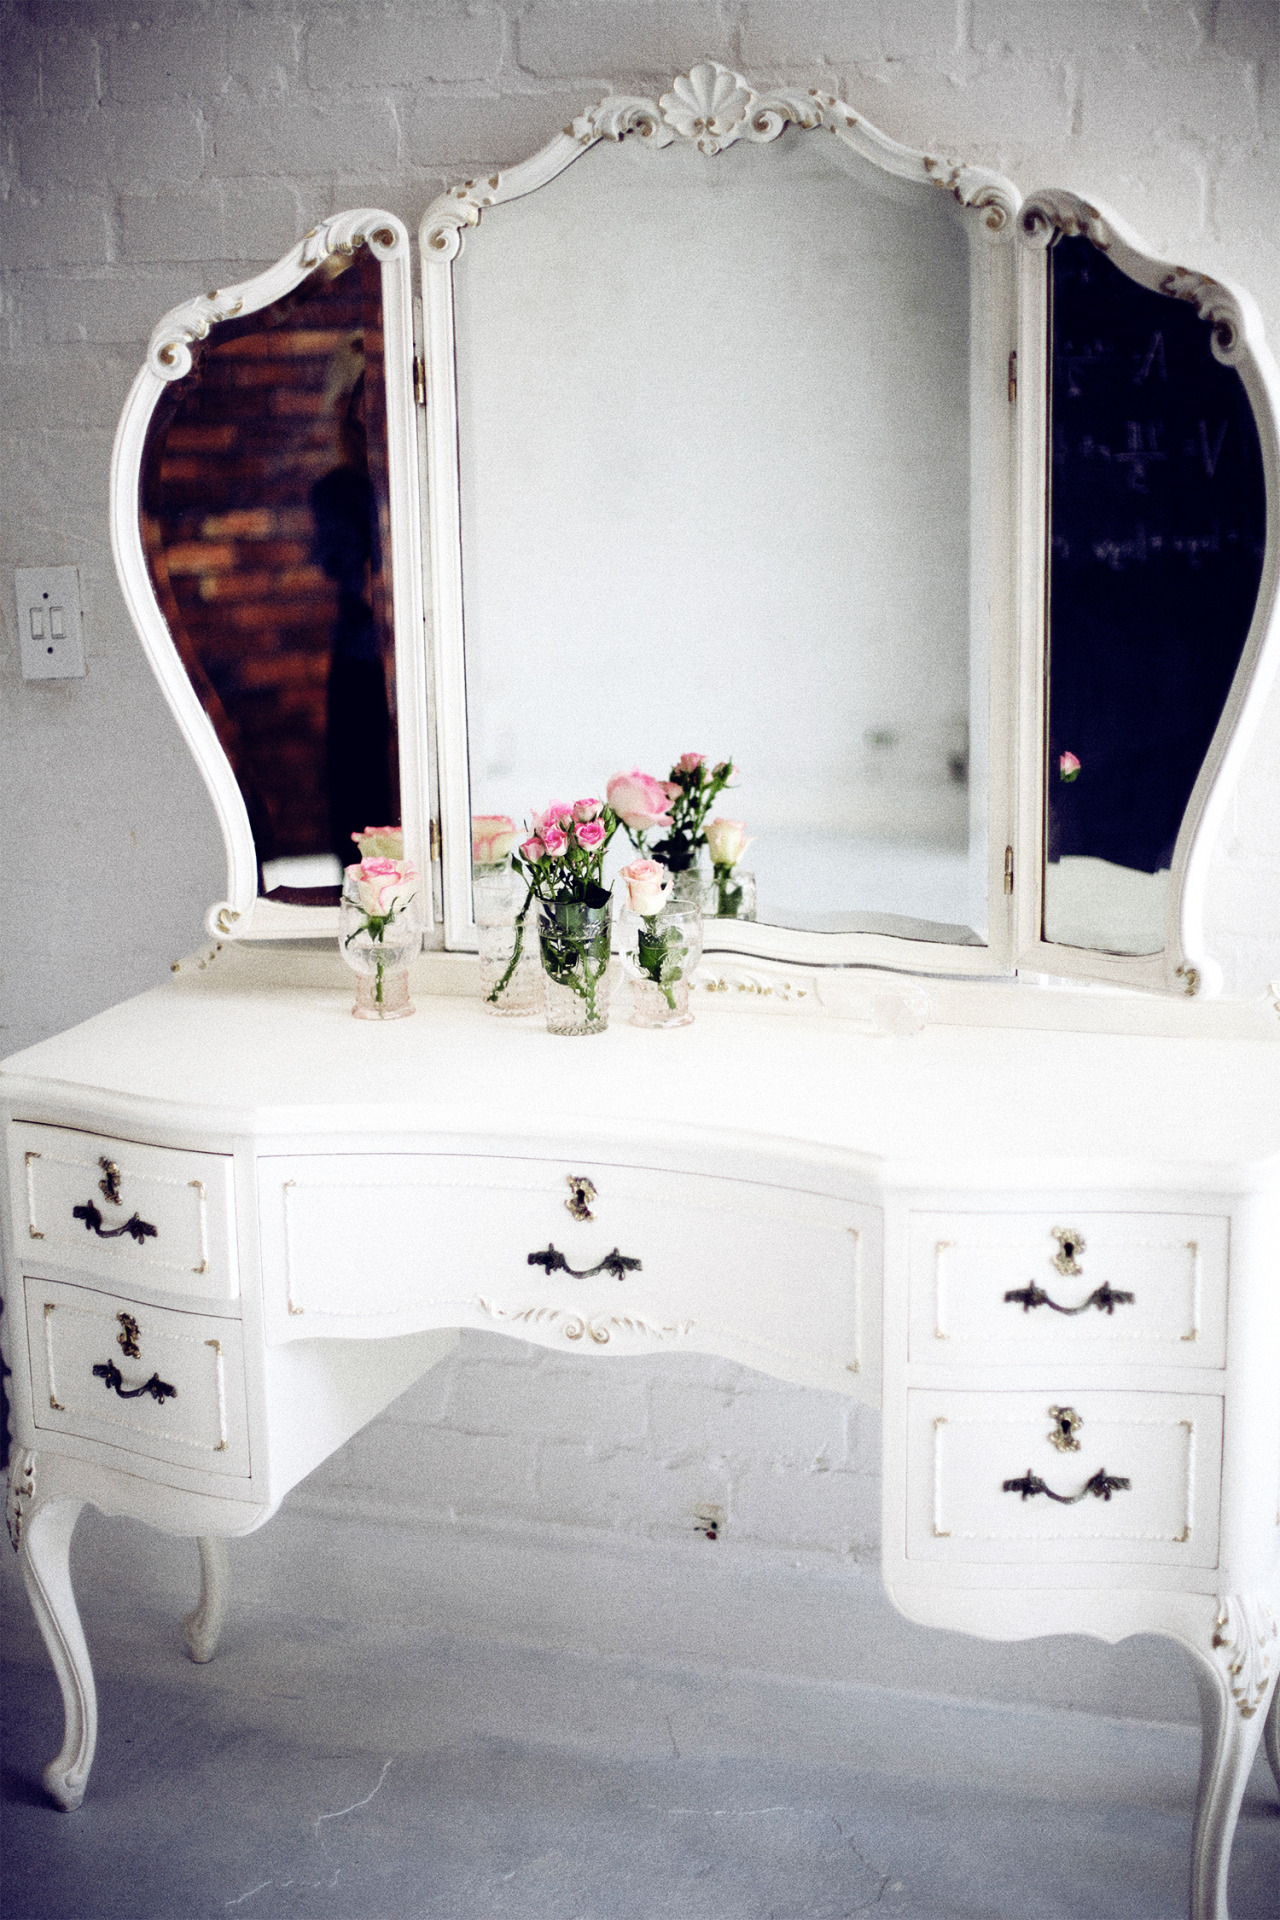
(1245, 1642)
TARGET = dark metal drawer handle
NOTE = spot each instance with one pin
(1105, 1298)
(1101, 1485)
(109, 1373)
(614, 1262)
(137, 1228)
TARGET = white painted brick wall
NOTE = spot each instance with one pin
(153, 149)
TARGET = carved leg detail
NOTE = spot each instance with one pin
(203, 1625)
(44, 1555)
(1235, 1684)
(1271, 1734)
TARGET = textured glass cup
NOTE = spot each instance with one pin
(661, 951)
(378, 952)
(510, 968)
(574, 944)
(730, 894)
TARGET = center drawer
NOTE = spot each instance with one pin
(601, 1258)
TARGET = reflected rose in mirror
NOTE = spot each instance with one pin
(1068, 766)
(494, 836)
(639, 800)
(380, 843)
(727, 841)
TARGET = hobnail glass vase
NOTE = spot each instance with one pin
(688, 886)
(730, 894)
(661, 951)
(573, 940)
(379, 954)
(510, 970)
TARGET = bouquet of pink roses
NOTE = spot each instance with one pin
(693, 788)
(563, 860)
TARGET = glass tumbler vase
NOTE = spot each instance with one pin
(378, 949)
(661, 951)
(510, 968)
(574, 943)
(730, 894)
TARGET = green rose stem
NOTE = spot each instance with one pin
(728, 897)
(659, 954)
(375, 925)
(519, 947)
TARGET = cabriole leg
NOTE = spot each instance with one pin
(203, 1625)
(1271, 1733)
(1236, 1684)
(44, 1548)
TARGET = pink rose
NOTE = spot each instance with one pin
(639, 800)
(648, 885)
(558, 814)
(690, 762)
(1068, 766)
(727, 842)
(493, 835)
(385, 843)
(590, 835)
(533, 848)
(384, 886)
(584, 810)
(554, 843)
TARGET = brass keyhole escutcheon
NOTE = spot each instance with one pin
(109, 1185)
(127, 1338)
(1063, 1435)
(581, 1194)
(1070, 1246)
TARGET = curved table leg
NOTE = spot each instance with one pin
(203, 1625)
(44, 1555)
(1234, 1690)
(1271, 1734)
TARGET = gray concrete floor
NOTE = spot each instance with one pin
(316, 1771)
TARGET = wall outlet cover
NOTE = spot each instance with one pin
(50, 624)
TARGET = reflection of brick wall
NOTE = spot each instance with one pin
(247, 441)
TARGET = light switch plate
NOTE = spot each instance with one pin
(50, 623)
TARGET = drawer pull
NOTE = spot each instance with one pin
(618, 1264)
(109, 1373)
(137, 1228)
(1100, 1484)
(1105, 1298)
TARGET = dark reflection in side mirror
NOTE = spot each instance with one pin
(265, 521)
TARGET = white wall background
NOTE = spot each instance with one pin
(154, 150)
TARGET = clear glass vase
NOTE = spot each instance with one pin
(661, 951)
(510, 969)
(730, 894)
(378, 949)
(688, 886)
(573, 940)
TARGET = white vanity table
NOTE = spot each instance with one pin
(1040, 1233)
(331, 1200)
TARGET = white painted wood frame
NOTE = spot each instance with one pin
(243, 914)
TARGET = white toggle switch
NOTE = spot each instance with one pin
(49, 623)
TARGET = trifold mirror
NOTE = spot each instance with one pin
(950, 518)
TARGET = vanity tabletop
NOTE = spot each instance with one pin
(262, 1043)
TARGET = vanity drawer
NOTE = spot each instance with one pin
(151, 1216)
(1109, 1287)
(1034, 1477)
(373, 1244)
(92, 1353)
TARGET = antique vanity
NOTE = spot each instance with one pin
(954, 517)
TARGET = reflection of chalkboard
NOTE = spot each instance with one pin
(1157, 527)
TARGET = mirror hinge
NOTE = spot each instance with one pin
(435, 841)
(1013, 376)
(1008, 869)
(419, 379)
